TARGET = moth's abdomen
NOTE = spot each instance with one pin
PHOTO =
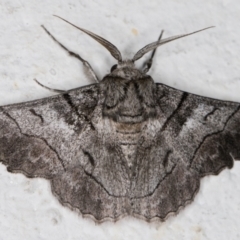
(128, 138)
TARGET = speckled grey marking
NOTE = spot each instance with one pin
(124, 146)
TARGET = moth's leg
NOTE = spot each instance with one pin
(84, 62)
(48, 88)
(148, 63)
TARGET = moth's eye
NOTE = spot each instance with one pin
(114, 67)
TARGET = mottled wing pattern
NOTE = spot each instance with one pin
(148, 172)
(40, 138)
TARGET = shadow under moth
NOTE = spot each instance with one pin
(123, 146)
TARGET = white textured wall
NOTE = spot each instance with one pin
(206, 63)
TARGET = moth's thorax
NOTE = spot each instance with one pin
(128, 100)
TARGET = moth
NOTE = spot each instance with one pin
(124, 145)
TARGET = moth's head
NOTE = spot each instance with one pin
(123, 64)
(125, 69)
